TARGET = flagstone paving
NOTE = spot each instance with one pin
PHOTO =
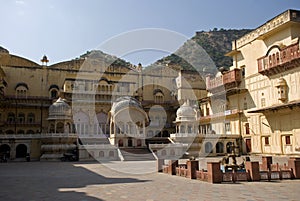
(45, 181)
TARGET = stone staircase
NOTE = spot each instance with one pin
(137, 154)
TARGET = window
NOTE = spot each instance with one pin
(263, 102)
(207, 109)
(10, 117)
(245, 104)
(247, 128)
(21, 118)
(30, 118)
(267, 141)
(189, 129)
(208, 147)
(243, 71)
(21, 90)
(227, 127)
(158, 96)
(287, 140)
(53, 93)
(219, 147)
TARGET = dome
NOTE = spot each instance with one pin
(280, 82)
(124, 102)
(186, 112)
(60, 110)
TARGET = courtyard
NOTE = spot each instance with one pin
(130, 180)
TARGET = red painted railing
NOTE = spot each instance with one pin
(233, 76)
(278, 59)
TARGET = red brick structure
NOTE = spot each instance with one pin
(215, 174)
(266, 163)
(192, 168)
(294, 164)
(253, 169)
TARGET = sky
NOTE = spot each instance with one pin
(65, 29)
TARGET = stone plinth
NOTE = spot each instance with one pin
(192, 168)
(214, 172)
(253, 169)
(294, 164)
(266, 163)
(159, 164)
(172, 164)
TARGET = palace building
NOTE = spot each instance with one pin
(107, 110)
(261, 88)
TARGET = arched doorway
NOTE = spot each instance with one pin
(219, 147)
(229, 147)
(166, 133)
(120, 143)
(21, 151)
(208, 147)
(138, 143)
(5, 149)
(129, 142)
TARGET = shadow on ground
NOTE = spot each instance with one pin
(44, 181)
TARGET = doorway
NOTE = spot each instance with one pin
(248, 145)
(21, 151)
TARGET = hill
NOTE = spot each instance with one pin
(216, 44)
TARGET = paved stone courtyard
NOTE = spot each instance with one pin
(41, 181)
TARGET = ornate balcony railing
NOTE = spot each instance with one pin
(228, 80)
(224, 114)
(283, 60)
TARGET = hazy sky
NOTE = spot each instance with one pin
(65, 29)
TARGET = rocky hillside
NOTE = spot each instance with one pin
(216, 43)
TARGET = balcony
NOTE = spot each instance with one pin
(228, 80)
(285, 59)
(227, 114)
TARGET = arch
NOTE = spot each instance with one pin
(163, 152)
(53, 93)
(101, 153)
(21, 151)
(111, 154)
(166, 133)
(21, 85)
(150, 133)
(129, 142)
(181, 129)
(53, 86)
(29, 132)
(189, 128)
(208, 147)
(30, 118)
(139, 143)
(5, 149)
(120, 143)
(51, 128)
(229, 147)
(158, 91)
(102, 118)
(60, 127)
(172, 152)
(219, 147)
(81, 121)
(9, 132)
(21, 132)
(21, 118)
(11, 117)
(271, 48)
